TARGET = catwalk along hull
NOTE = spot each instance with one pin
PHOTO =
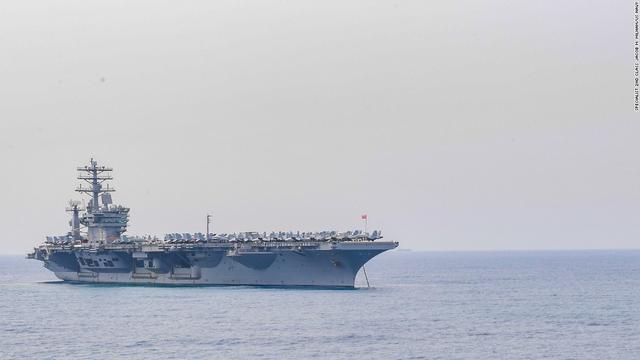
(318, 264)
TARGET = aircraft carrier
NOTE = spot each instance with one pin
(95, 250)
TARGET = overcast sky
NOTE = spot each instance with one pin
(455, 125)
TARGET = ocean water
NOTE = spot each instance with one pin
(484, 305)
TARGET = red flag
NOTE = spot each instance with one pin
(363, 216)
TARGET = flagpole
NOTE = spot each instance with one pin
(208, 222)
(365, 217)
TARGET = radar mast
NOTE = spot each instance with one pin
(107, 222)
(95, 175)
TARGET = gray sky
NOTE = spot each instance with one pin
(456, 125)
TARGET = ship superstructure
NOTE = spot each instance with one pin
(96, 250)
(104, 223)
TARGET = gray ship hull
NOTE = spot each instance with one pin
(319, 264)
(103, 254)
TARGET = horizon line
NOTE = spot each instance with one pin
(466, 251)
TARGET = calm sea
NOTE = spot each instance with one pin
(494, 305)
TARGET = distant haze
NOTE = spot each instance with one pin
(455, 125)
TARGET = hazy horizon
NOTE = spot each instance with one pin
(455, 126)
